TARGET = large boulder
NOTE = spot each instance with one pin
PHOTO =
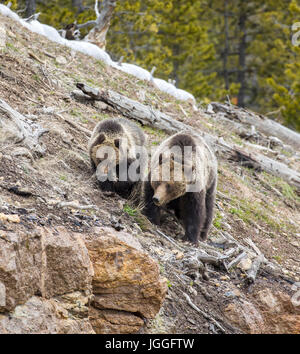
(39, 315)
(45, 262)
(272, 312)
(20, 267)
(125, 279)
(66, 262)
(280, 312)
(112, 321)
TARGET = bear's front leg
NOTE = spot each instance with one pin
(151, 210)
(193, 213)
(106, 186)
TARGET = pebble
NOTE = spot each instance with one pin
(234, 293)
(245, 264)
(178, 254)
(10, 218)
(61, 60)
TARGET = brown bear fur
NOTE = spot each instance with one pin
(109, 133)
(194, 209)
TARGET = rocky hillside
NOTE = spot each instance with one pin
(76, 260)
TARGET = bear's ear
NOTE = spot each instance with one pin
(117, 143)
(100, 138)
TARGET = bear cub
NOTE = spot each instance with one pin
(113, 147)
(183, 177)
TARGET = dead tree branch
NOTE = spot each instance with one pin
(267, 126)
(19, 129)
(97, 35)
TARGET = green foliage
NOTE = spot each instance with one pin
(218, 220)
(130, 211)
(139, 218)
(214, 49)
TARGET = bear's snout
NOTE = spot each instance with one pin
(156, 200)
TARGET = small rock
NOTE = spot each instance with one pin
(237, 293)
(275, 141)
(192, 291)
(10, 218)
(245, 264)
(295, 243)
(226, 226)
(218, 239)
(61, 60)
(233, 293)
(178, 254)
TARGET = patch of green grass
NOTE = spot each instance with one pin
(278, 259)
(63, 178)
(218, 220)
(100, 64)
(161, 268)
(155, 132)
(36, 77)
(11, 47)
(287, 191)
(139, 218)
(75, 113)
(237, 140)
(169, 284)
(130, 211)
(286, 153)
(250, 211)
(91, 81)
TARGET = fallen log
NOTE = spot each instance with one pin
(148, 116)
(20, 129)
(267, 126)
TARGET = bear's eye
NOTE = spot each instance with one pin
(117, 143)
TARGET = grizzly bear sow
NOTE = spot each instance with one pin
(113, 147)
(183, 177)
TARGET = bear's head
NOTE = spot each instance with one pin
(108, 152)
(171, 185)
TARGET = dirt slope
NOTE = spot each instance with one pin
(36, 79)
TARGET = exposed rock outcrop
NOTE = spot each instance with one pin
(125, 279)
(274, 312)
(48, 277)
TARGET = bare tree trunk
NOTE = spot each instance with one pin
(226, 48)
(242, 59)
(98, 34)
(30, 7)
